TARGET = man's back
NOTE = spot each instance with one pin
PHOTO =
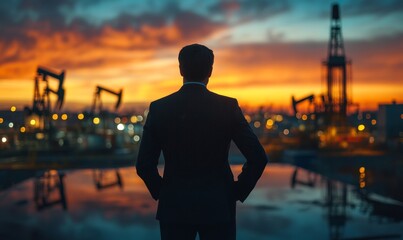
(193, 128)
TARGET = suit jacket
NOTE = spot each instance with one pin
(193, 128)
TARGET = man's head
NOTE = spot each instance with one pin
(196, 63)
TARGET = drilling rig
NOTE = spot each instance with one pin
(327, 114)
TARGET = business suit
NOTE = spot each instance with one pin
(193, 128)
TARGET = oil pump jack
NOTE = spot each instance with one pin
(42, 106)
(97, 103)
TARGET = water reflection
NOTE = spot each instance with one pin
(49, 190)
(104, 179)
(289, 203)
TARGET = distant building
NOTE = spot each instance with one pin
(390, 123)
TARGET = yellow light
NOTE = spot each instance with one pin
(302, 127)
(55, 116)
(117, 120)
(304, 117)
(13, 109)
(3, 139)
(64, 117)
(22, 129)
(40, 136)
(1, 120)
(32, 122)
(362, 184)
(80, 116)
(269, 123)
(279, 118)
(362, 169)
(248, 119)
(361, 127)
(373, 121)
(96, 120)
(133, 119)
(256, 124)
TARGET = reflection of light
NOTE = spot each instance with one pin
(3, 139)
(133, 119)
(40, 136)
(304, 117)
(298, 115)
(256, 124)
(362, 184)
(279, 118)
(286, 131)
(344, 144)
(130, 127)
(32, 122)
(373, 121)
(139, 118)
(11, 125)
(1, 120)
(136, 138)
(55, 116)
(13, 109)
(22, 129)
(333, 131)
(361, 127)
(120, 126)
(96, 120)
(302, 127)
(80, 116)
(64, 117)
(117, 120)
(371, 140)
(248, 119)
(362, 169)
(313, 116)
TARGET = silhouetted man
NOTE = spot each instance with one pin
(193, 128)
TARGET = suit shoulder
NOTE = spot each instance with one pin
(228, 100)
(164, 100)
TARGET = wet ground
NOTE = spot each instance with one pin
(289, 202)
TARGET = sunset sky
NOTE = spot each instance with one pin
(265, 51)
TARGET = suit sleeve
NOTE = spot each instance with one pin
(149, 153)
(250, 147)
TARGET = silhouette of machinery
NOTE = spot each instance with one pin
(49, 190)
(330, 108)
(42, 106)
(97, 107)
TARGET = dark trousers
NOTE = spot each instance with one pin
(182, 231)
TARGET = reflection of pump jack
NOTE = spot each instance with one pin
(97, 104)
(102, 179)
(310, 182)
(49, 190)
(41, 104)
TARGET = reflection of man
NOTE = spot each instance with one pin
(194, 127)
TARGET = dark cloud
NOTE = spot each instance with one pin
(368, 7)
(244, 10)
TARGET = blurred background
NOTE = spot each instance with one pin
(320, 83)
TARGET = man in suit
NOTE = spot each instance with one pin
(193, 128)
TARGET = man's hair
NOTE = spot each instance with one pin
(196, 62)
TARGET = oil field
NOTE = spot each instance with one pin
(334, 171)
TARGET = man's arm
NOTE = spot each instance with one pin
(149, 153)
(250, 147)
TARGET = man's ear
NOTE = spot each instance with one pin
(211, 71)
(180, 70)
